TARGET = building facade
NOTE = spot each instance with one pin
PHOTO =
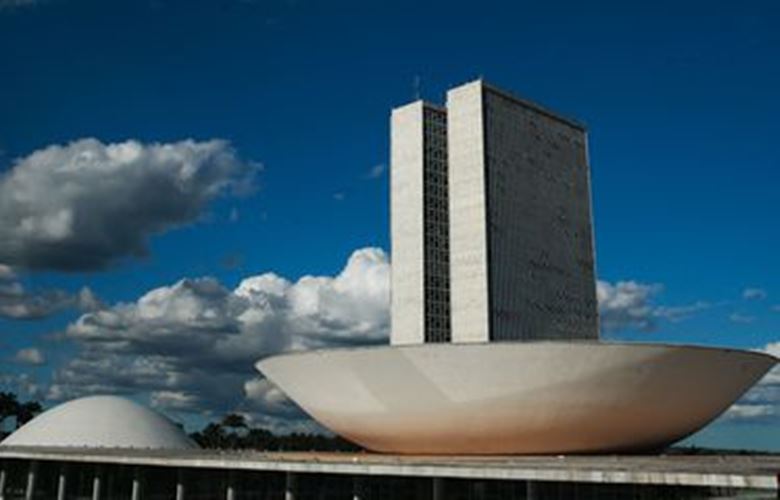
(492, 233)
(420, 224)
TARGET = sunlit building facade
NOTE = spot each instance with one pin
(492, 235)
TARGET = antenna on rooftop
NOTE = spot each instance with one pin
(416, 84)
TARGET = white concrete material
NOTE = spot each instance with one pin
(521, 245)
(135, 493)
(96, 487)
(290, 485)
(29, 491)
(100, 422)
(515, 397)
(180, 489)
(438, 488)
(721, 470)
(62, 482)
(468, 215)
(406, 199)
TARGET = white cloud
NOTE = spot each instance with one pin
(18, 303)
(6, 273)
(741, 318)
(762, 402)
(679, 313)
(191, 346)
(22, 384)
(751, 412)
(630, 305)
(30, 356)
(754, 294)
(84, 205)
(626, 304)
(376, 171)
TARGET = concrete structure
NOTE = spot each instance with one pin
(491, 222)
(516, 397)
(493, 241)
(521, 242)
(100, 422)
(220, 474)
(420, 225)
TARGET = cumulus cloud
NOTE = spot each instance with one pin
(23, 384)
(191, 346)
(754, 294)
(762, 402)
(18, 303)
(626, 304)
(30, 356)
(267, 406)
(83, 205)
(630, 305)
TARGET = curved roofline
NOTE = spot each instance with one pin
(594, 342)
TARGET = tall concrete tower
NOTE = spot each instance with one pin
(518, 260)
(521, 237)
(419, 225)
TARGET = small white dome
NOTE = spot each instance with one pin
(100, 422)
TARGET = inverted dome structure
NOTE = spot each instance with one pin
(100, 422)
(516, 397)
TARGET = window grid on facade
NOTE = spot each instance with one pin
(436, 227)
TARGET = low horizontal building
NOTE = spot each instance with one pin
(62, 473)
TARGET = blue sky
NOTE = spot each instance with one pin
(680, 99)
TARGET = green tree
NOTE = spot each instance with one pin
(26, 412)
(9, 405)
(234, 421)
(212, 436)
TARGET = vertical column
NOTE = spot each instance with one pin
(61, 483)
(96, 485)
(2, 482)
(290, 483)
(407, 156)
(438, 488)
(135, 493)
(358, 488)
(468, 214)
(230, 491)
(530, 490)
(30, 489)
(180, 485)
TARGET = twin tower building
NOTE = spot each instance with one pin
(492, 234)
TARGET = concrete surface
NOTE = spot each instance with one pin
(735, 471)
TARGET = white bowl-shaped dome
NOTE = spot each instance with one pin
(100, 422)
(516, 397)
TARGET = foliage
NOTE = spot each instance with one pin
(233, 433)
(10, 406)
